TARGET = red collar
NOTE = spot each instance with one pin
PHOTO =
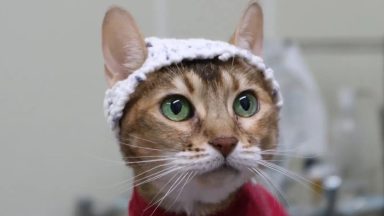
(252, 200)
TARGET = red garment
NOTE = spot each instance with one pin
(252, 200)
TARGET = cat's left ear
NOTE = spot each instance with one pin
(123, 45)
(249, 32)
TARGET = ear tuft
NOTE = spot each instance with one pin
(123, 45)
(249, 32)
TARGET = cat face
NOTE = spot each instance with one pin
(192, 131)
(206, 117)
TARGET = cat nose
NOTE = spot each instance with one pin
(224, 145)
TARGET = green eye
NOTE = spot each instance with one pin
(246, 104)
(176, 108)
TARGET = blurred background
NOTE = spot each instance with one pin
(58, 157)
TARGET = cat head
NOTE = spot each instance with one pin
(196, 112)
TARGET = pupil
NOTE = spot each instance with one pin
(176, 106)
(244, 102)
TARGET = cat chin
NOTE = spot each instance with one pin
(210, 188)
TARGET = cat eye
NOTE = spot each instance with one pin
(246, 104)
(176, 108)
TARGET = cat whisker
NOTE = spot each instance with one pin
(106, 160)
(269, 181)
(191, 175)
(172, 188)
(148, 161)
(161, 174)
(151, 141)
(178, 68)
(232, 68)
(293, 151)
(146, 179)
(149, 156)
(283, 171)
(155, 175)
(147, 148)
(151, 177)
(152, 202)
(137, 162)
(285, 153)
(282, 160)
(294, 176)
(140, 174)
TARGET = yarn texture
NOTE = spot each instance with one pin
(165, 52)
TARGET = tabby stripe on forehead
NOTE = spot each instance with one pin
(235, 82)
(188, 84)
(207, 70)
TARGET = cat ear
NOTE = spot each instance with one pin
(123, 45)
(249, 32)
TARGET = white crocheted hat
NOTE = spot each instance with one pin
(165, 52)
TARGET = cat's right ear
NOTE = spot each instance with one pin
(249, 32)
(123, 45)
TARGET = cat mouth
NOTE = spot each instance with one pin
(221, 172)
(225, 167)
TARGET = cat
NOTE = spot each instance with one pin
(195, 132)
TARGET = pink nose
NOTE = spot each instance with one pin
(224, 145)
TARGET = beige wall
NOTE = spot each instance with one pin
(53, 137)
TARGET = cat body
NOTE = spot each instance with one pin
(195, 122)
